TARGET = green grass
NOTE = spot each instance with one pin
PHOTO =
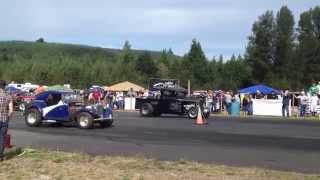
(41, 164)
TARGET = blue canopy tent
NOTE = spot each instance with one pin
(260, 87)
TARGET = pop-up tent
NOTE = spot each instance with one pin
(125, 86)
(260, 87)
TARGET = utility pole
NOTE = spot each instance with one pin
(189, 88)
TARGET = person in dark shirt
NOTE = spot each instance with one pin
(285, 103)
(214, 102)
(245, 104)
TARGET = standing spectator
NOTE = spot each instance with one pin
(96, 96)
(227, 101)
(303, 101)
(209, 100)
(6, 109)
(314, 103)
(106, 99)
(236, 98)
(120, 100)
(109, 99)
(314, 89)
(285, 103)
(245, 104)
(214, 102)
(114, 101)
(250, 105)
(131, 93)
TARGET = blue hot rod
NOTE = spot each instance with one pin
(61, 107)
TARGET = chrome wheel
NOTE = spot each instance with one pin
(192, 113)
(22, 107)
(145, 111)
(83, 121)
(32, 119)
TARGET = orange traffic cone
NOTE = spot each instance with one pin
(200, 119)
(7, 141)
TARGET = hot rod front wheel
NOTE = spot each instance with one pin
(85, 120)
(33, 117)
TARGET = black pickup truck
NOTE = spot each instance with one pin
(168, 97)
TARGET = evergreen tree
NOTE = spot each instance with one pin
(4, 55)
(170, 52)
(309, 45)
(124, 68)
(195, 64)
(146, 66)
(164, 58)
(284, 44)
(260, 49)
(127, 54)
(164, 65)
(40, 40)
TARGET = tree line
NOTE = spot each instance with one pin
(280, 53)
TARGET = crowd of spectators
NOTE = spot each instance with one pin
(308, 102)
(116, 100)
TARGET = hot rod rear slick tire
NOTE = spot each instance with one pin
(84, 120)
(33, 118)
(105, 124)
(146, 109)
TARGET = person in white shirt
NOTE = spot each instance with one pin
(314, 103)
(303, 101)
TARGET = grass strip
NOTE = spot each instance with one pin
(46, 165)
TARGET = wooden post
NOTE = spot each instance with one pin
(189, 88)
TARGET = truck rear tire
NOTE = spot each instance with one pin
(146, 109)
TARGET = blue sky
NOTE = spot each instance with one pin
(222, 26)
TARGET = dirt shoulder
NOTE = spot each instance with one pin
(41, 164)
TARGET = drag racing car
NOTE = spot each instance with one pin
(60, 107)
(167, 97)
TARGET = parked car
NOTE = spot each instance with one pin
(60, 107)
